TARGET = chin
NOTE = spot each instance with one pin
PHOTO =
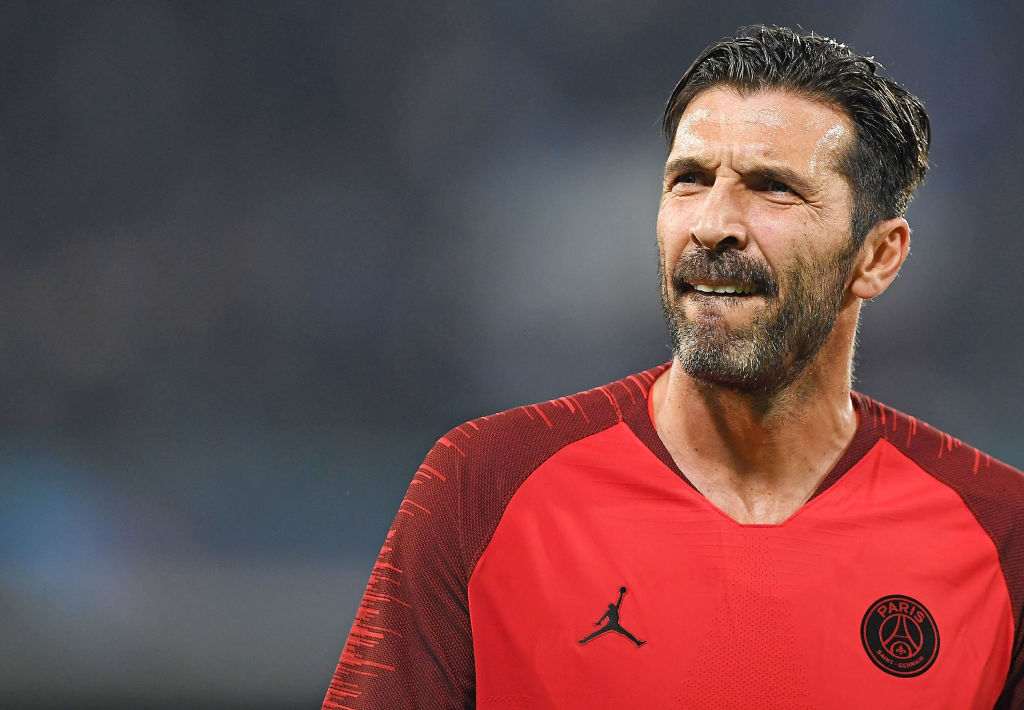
(745, 383)
(724, 362)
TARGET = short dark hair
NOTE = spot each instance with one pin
(889, 154)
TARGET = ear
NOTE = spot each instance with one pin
(884, 250)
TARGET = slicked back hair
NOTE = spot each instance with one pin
(888, 156)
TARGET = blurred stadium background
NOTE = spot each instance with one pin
(256, 257)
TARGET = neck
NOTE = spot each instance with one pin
(759, 458)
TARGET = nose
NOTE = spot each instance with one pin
(720, 224)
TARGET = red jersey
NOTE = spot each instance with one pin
(555, 557)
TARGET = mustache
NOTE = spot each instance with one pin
(728, 265)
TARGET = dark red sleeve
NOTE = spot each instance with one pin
(410, 645)
(1013, 695)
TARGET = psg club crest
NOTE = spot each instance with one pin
(900, 636)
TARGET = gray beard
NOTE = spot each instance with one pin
(766, 356)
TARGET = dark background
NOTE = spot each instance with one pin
(256, 257)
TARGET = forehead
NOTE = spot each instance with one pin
(771, 124)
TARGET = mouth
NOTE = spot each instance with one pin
(734, 290)
(726, 277)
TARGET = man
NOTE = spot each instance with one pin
(782, 542)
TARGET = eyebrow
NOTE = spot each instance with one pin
(682, 165)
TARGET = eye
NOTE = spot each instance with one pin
(685, 181)
(776, 188)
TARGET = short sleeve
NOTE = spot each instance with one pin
(411, 645)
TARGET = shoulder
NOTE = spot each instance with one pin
(524, 437)
(992, 490)
(943, 456)
(475, 469)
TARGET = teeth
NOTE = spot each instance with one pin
(725, 289)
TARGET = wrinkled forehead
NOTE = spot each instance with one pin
(768, 124)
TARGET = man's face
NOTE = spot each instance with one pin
(754, 236)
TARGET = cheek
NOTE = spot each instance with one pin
(673, 230)
(778, 234)
(668, 251)
(769, 221)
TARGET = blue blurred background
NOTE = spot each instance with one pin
(256, 257)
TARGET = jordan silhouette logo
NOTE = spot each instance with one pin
(612, 618)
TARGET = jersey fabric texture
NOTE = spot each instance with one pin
(554, 557)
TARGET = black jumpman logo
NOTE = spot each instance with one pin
(612, 615)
